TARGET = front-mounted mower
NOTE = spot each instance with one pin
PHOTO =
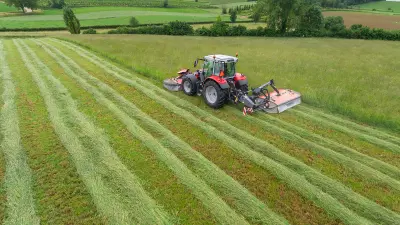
(218, 82)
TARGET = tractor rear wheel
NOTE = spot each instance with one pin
(214, 95)
(188, 87)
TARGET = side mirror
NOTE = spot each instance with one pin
(195, 63)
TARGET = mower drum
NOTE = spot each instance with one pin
(279, 103)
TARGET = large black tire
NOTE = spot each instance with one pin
(214, 95)
(188, 87)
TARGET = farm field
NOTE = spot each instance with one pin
(89, 141)
(110, 16)
(311, 66)
(381, 6)
(388, 22)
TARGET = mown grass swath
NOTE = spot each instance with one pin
(20, 206)
(246, 203)
(383, 143)
(293, 179)
(372, 162)
(223, 213)
(60, 195)
(340, 121)
(102, 179)
(347, 161)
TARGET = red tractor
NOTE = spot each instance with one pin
(218, 82)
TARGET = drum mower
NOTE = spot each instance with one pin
(218, 82)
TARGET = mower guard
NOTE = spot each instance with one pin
(173, 84)
(285, 100)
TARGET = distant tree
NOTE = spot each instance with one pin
(219, 19)
(72, 23)
(233, 16)
(57, 4)
(165, 4)
(280, 13)
(334, 23)
(21, 4)
(224, 11)
(256, 16)
(133, 22)
(311, 18)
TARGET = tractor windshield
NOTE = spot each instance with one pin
(227, 68)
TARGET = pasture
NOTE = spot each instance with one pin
(381, 6)
(86, 139)
(372, 20)
(98, 16)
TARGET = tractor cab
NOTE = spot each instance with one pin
(218, 65)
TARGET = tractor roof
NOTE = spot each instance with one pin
(221, 58)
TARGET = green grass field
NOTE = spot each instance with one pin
(89, 141)
(338, 75)
(382, 6)
(110, 16)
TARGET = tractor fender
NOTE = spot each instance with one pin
(192, 77)
(240, 79)
(219, 80)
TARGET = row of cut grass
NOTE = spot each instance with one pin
(383, 143)
(60, 195)
(273, 192)
(138, 206)
(377, 164)
(246, 203)
(156, 178)
(349, 124)
(360, 168)
(355, 201)
(290, 177)
(223, 213)
(20, 206)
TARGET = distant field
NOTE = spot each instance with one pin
(381, 6)
(110, 16)
(371, 20)
(140, 3)
(5, 8)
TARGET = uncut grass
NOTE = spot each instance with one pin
(359, 145)
(61, 197)
(265, 186)
(241, 199)
(350, 124)
(163, 185)
(116, 191)
(309, 66)
(292, 178)
(20, 205)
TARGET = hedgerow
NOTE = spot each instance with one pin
(223, 29)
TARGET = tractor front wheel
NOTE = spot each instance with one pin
(214, 95)
(188, 87)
